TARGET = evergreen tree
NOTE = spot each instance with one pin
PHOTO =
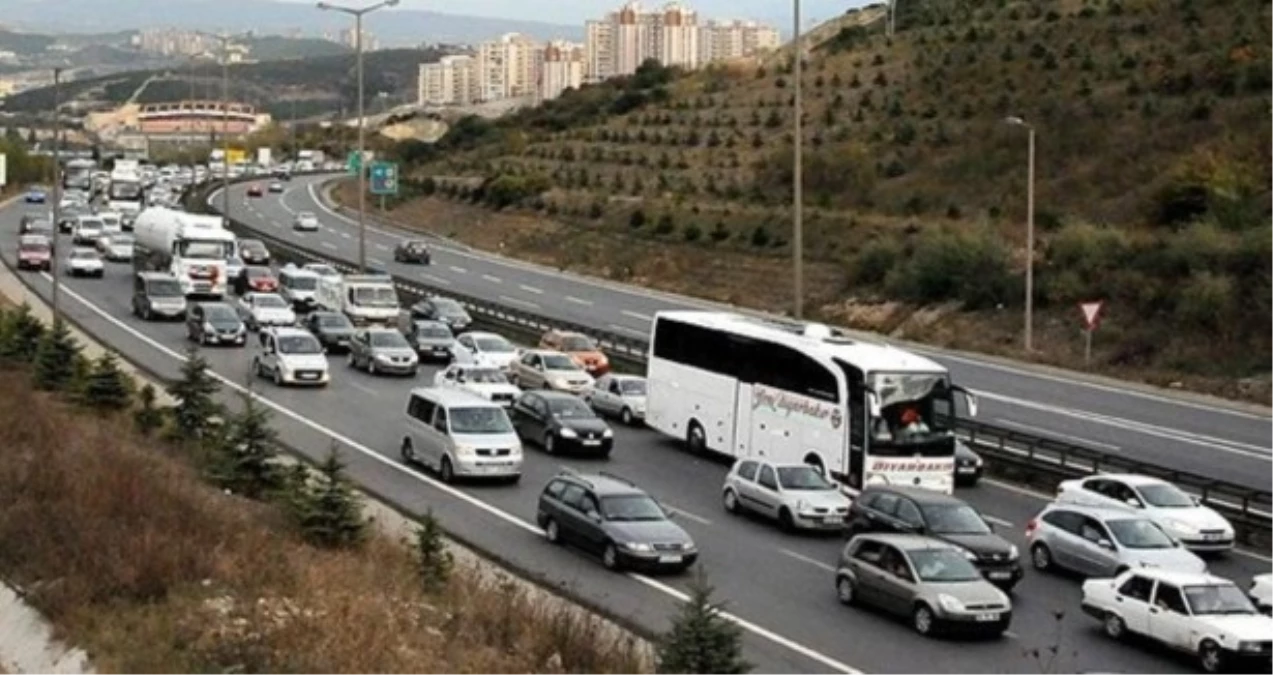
(246, 461)
(107, 388)
(148, 417)
(433, 559)
(330, 513)
(193, 392)
(21, 335)
(55, 358)
(701, 640)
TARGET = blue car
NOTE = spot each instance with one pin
(36, 196)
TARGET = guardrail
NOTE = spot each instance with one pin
(1250, 511)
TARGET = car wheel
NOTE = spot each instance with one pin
(550, 443)
(349, 360)
(1041, 557)
(610, 557)
(845, 591)
(256, 368)
(731, 501)
(786, 520)
(408, 451)
(922, 619)
(1114, 626)
(696, 438)
(414, 372)
(203, 338)
(371, 366)
(545, 386)
(1210, 657)
(447, 471)
(626, 416)
(551, 532)
(278, 376)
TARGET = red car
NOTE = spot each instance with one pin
(255, 190)
(256, 278)
(35, 252)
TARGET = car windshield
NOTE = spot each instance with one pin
(305, 215)
(627, 508)
(447, 307)
(39, 246)
(257, 272)
(944, 565)
(569, 408)
(495, 345)
(90, 224)
(334, 321)
(220, 314)
(375, 296)
(577, 343)
(302, 283)
(801, 478)
(121, 240)
(322, 270)
(388, 338)
(269, 301)
(299, 344)
(632, 387)
(954, 519)
(483, 376)
(432, 330)
(485, 420)
(234, 261)
(1165, 496)
(84, 255)
(1218, 599)
(251, 246)
(559, 362)
(1138, 533)
(164, 288)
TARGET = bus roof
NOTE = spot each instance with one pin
(812, 339)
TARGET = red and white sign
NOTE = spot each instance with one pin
(1091, 314)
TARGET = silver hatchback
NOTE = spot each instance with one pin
(796, 495)
(1099, 542)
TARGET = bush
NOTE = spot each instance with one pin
(596, 210)
(245, 462)
(701, 640)
(719, 232)
(147, 418)
(760, 237)
(20, 334)
(665, 225)
(969, 266)
(874, 262)
(195, 408)
(107, 388)
(637, 220)
(692, 233)
(329, 513)
(433, 561)
(55, 358)
(1207, 301)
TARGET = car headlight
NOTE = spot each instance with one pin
(560, 382)
(950, 603)
(1181, 526)
(1013, 553)
(607, 433)
(638, 546)
(970, 555)
(567, 432)
(384, 358)
(209, 328)
(462, 450)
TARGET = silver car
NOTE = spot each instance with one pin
(796, 495)
(432, 339)
(927, 580)
(383, 350)
(620, 395)
(1103, 542)
(544, 369)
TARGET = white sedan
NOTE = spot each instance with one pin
(1261, 592)
(305, 222)
(85, 262)
(619, 395)
(489, 383)
(116, 247)
(1181, 515)
(258, 310)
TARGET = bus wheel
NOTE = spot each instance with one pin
(696, 438)
(816, 462)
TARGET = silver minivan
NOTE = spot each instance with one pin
(1100, 542)
(460, 434)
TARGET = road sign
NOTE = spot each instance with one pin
(384, 178)
(1091, 314)
(354, 162)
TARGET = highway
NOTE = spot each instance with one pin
(1213, 438)
(779, 586)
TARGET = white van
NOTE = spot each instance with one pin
(458, 433)
(298, 286)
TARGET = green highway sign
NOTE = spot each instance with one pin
(384, 178)
(354, 162)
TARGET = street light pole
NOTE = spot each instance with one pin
(57, 189)
(225, 124)
(1029, 228)
(358, 13)
(797, 174)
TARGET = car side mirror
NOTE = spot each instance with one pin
(1197, 501)
(1105, 544)
(594, 516)
(1133, 502)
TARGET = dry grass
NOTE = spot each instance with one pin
(136, 560)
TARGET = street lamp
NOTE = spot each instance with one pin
(1029, 228)
(225, 125)
(358, 13)
(797, 173)
(57, 187)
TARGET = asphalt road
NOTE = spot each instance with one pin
(1225, 442)
(779, 585)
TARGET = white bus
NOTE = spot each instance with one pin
(747, 387)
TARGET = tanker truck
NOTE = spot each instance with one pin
(192, 248)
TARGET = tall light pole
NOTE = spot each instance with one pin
(1029, 229)
(358, 13)
(797, 174)
(225, 124)
(891, 20)
(57, 188)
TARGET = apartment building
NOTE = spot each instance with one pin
(726, 40)
(451, 81)
(563, 68)
(508, 67)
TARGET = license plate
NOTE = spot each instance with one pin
(669, 559)
(967, 469)
(308, 376)
(592, 442)
(988, 616)
(439, 350)
(1001, 575)
(1214, 537)
(831, 520)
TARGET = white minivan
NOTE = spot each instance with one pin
(298, 287)
(458, 433)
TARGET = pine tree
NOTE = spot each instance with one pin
(433, 560)
(330, 513)
(701, 640)
(55, 358)
(245, 462)
(27, 331)
(193, 392)
(107, 388)
(147, 417)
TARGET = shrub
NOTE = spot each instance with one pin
(701, 640)
(194, 391)
(107, 388)
(21, 334)
(433, 561)
(637, 220)
(147, 418)
(665, 225)
(692, 233)
(719, 232)
(330, 514)
(874, 262)
(55, 358)
(1207, 301)
(596, 210)
(245, 462)
(760, 237)
(971, 266)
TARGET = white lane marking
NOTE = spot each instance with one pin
(379, 247)
(492, 279)
(686, 514)
(1010, 635)
(531, 289)
(578, 301)
(275, 223)
(459, 270)
(453, 492)
(1055, 434)
(359, 387)
(329, 246)
(515, 301)
(376, 261)
(997, 521)
(806, 559)
(625, 329)
(298, 235)
(637, 315)
(346, 235)
(437, 280)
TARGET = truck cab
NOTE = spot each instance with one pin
(364, 298)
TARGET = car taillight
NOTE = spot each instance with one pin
(1031, 526)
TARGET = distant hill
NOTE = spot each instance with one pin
(393, 26)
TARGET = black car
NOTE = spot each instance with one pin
(412, 251)
(215, 323)
(910, 510)
(561, 422)
(68, 217)
(253, 252)
(612, 517)
(333, 329)
(968, 465)
(445, 310)
(35, 224)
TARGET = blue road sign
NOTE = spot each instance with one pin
(384, 178)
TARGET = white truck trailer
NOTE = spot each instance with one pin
(364, 298)
(193, 248)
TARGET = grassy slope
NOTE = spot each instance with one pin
(906, 148)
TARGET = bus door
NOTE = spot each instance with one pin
(743, 445)
(858, 435)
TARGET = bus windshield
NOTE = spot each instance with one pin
(914, 413)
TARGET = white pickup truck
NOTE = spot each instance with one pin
(364, 298)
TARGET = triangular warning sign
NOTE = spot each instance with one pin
(1091, 313)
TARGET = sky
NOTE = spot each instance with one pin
(577, 11)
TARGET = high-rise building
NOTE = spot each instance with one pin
(452, 80)
(724, 40)
(599, 44)
(508, 67)
(563, 68)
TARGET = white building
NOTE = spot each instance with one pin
(563, 68)
(508, 67)
(451, 81)
(726, 40)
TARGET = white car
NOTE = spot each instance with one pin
(321, 269)
(85, 262)
(305, 222)
(485, 349)
(796, 495)
(1194, 613)
(620, 395)
(1261, 592)
(291, 356)
(1197, 527)
(489, 383)
(88, 229)
(112, 223)
(116, 247)
(265, 309)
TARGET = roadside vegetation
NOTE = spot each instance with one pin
(1152, 186)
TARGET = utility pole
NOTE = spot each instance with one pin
(225, 41)
(362, 122)
(797, 182)
(1029, 228)
(57, 190)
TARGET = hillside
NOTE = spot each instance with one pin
(1152, 185)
